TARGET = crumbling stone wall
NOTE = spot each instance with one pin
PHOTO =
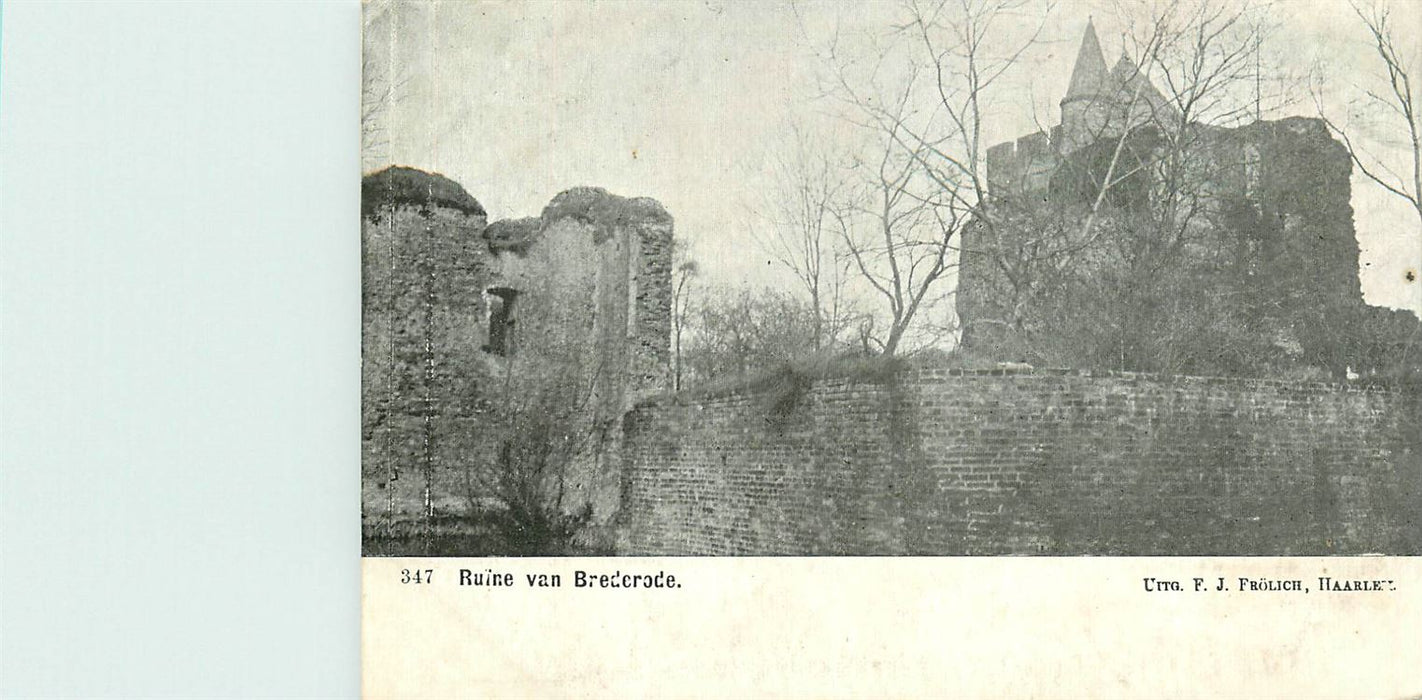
(594, 283)
(1214, 250)
(1272, 235)
(421, 365)
(932, 461)
(587, 283)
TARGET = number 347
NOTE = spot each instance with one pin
(416, 575)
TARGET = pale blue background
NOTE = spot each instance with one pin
(179, 350)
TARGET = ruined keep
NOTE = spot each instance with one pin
(463, 319)
(926, 460)
(1251, 445)
(1265, 258)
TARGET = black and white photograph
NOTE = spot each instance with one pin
(710, 349)
(932, 277)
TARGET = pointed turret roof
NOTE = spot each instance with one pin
(1131, 83)
(1125, 72)
(1089, 75)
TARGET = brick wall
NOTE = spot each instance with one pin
(929, 461)
(1270, 231)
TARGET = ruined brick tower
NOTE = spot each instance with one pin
(457, 314)
(1268, 226)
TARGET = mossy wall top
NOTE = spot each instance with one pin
(949, 462)
(589, 277)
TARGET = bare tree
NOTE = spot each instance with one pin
(1139, 192)
(682, 275)
(924, 96)
(1394, 159)
(1204, 55)
(736, 331)
(379, 82)
(1384, 134)
(1187, 67)
(797, 229)
(899, 228)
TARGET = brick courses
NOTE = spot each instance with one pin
(934, 461)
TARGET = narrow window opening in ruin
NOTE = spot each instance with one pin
(501, 320)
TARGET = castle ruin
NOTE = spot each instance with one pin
(562, 322)
(1246, 232)
(465, 322)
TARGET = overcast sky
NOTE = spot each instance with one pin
(680, 101)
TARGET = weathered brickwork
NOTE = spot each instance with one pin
(1240, 238)
(423, 261)
(918, 461)
(460, 315)
(931, 461)
(1275, 235)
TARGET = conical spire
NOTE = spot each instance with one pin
(1125, 70)
(1089, 74)
(1131, 85)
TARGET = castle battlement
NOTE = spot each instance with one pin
(1098, 104)
(1208, 237)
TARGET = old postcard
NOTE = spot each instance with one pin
(943, 348)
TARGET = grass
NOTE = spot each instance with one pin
(796, 375)
(484, 534)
